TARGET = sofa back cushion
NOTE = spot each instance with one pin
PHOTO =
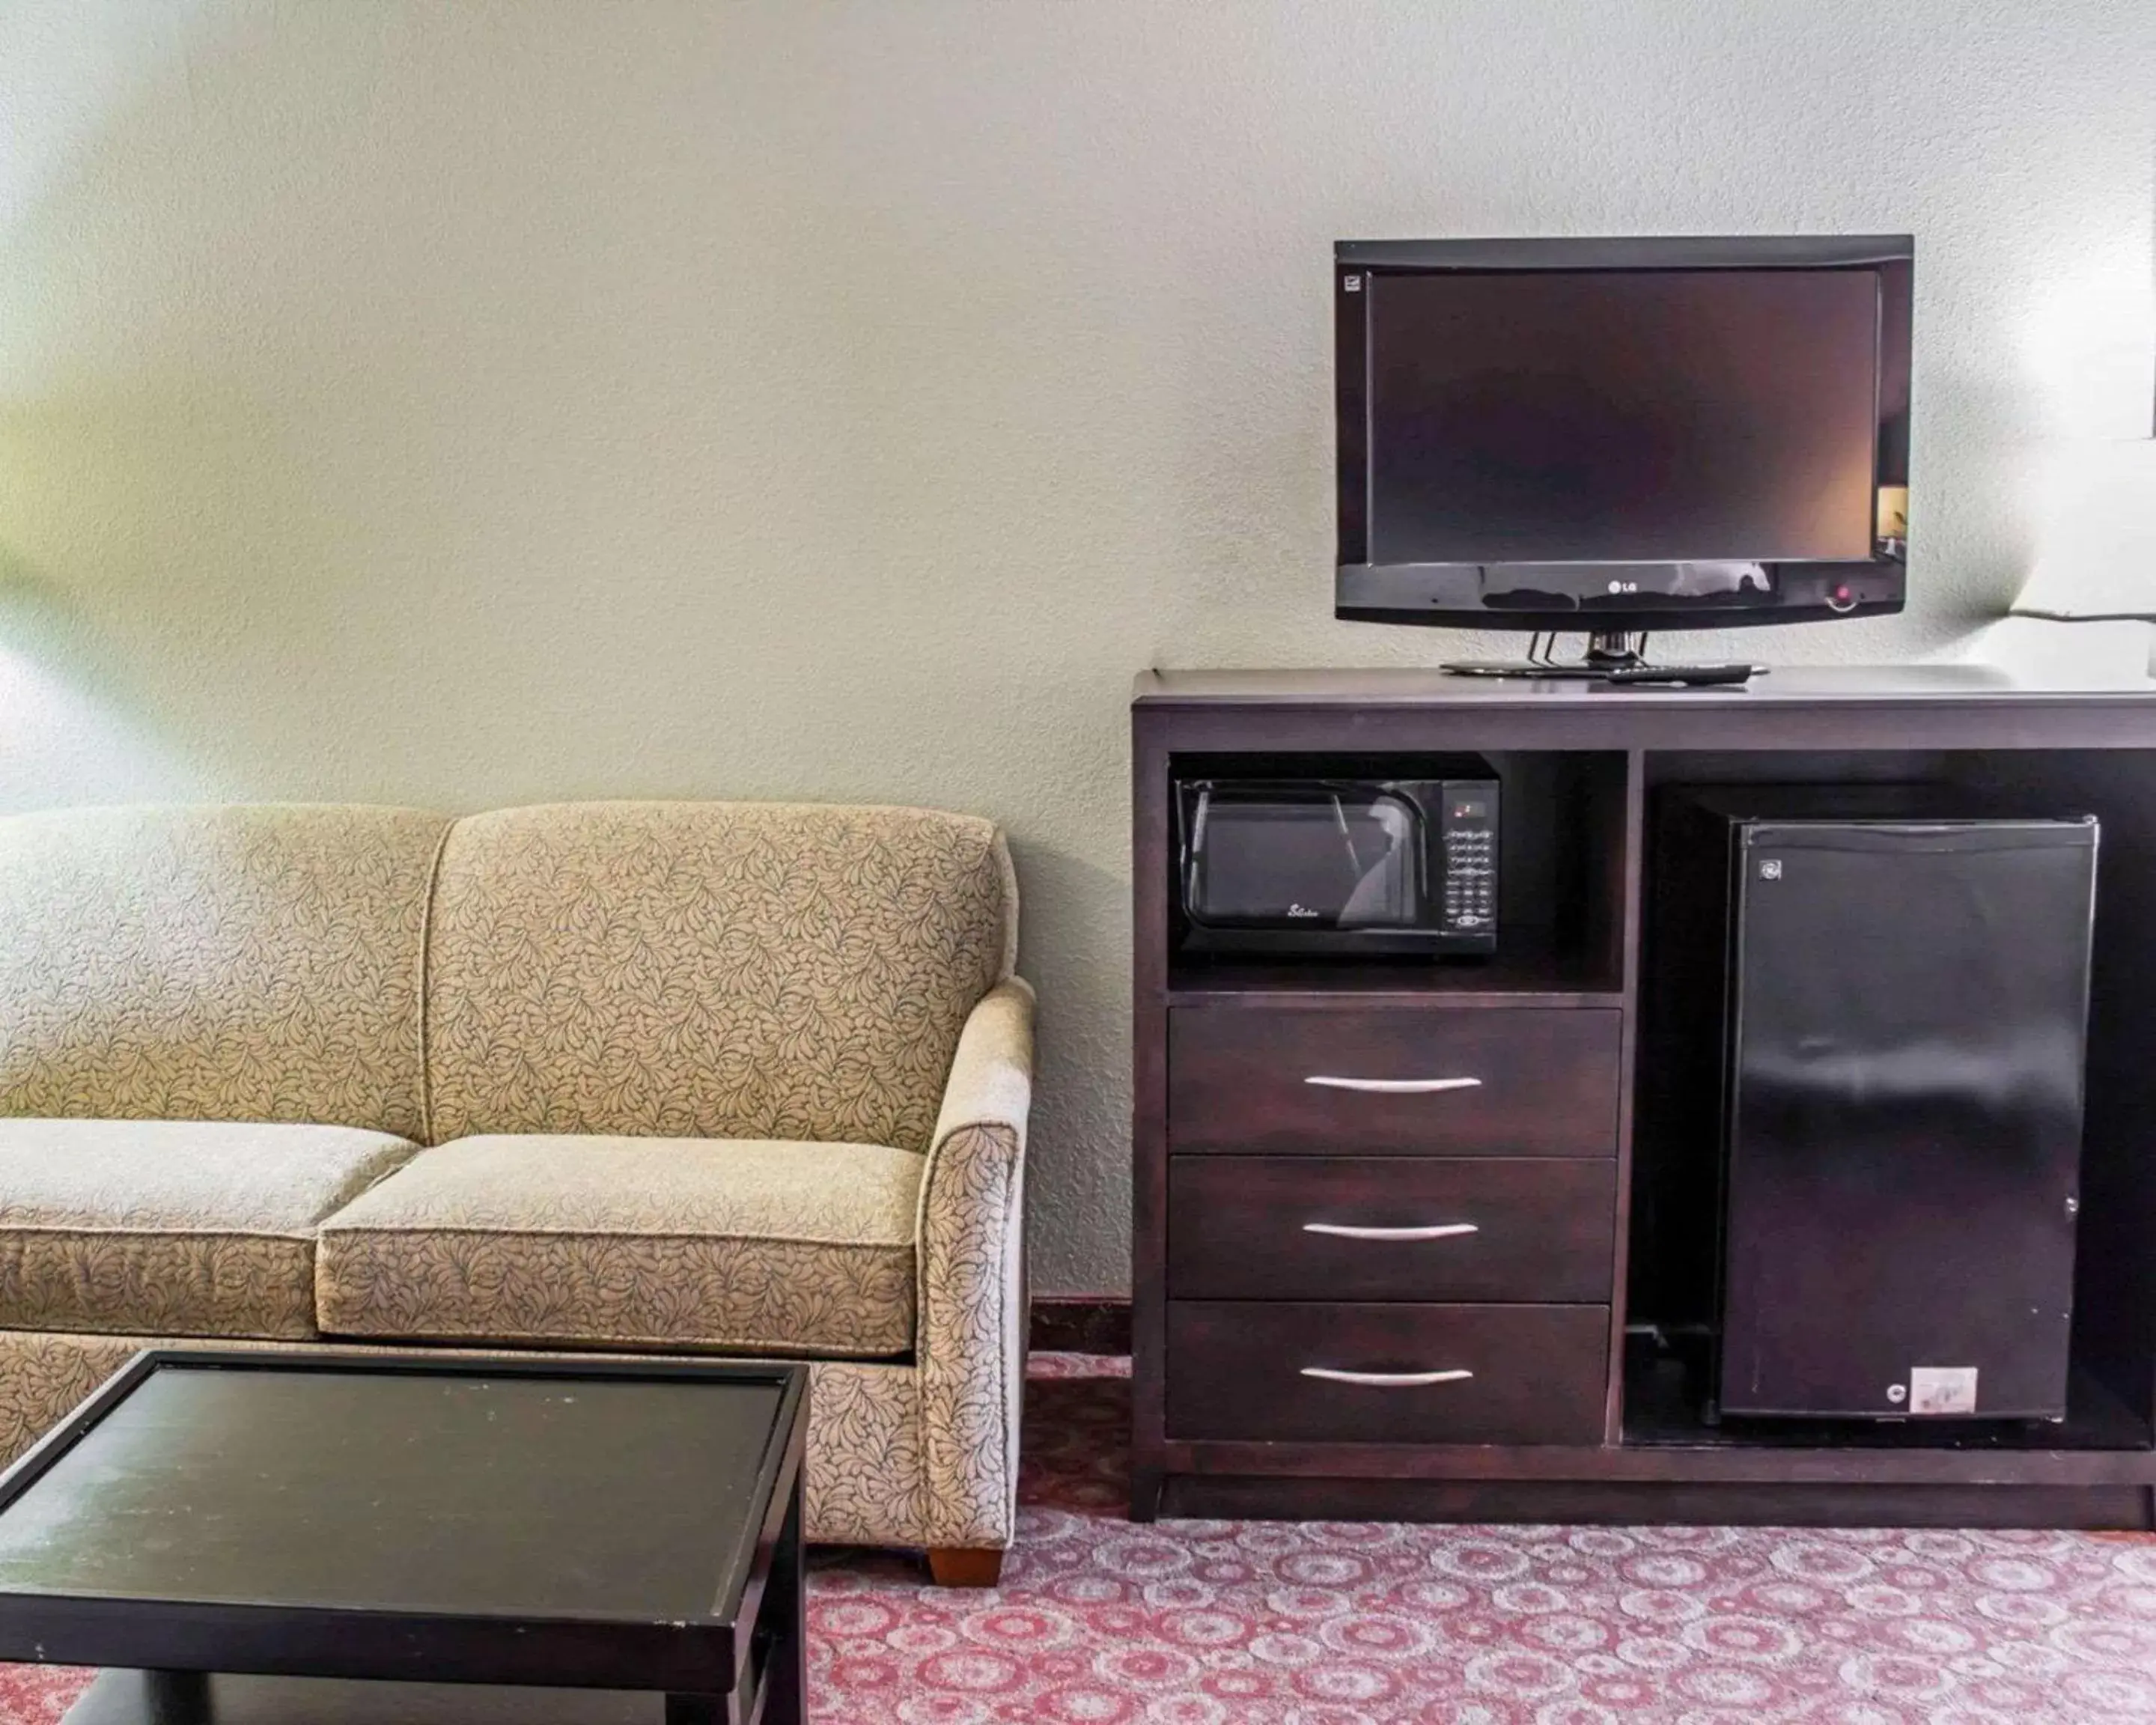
(739, 970)
(237, 963)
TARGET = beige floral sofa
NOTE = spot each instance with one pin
(695, 1078)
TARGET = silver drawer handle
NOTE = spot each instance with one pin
(1386, 1380)
(1396, 1086)
(1435, 1230)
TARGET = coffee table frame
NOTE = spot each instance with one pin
(740, 1663)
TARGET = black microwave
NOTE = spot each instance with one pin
(1381, 867)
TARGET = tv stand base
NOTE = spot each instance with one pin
(1618, 659)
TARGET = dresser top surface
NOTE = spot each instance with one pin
(1805, 685)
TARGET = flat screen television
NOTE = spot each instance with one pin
(1614, 436)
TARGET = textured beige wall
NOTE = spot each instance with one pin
(458, 403)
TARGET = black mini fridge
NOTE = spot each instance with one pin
(1903, 1007)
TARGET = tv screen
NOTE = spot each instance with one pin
(1622, 434)
(1654, 415)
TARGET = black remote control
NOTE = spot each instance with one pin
(1690, 676)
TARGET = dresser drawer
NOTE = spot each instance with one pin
(1437, 1082)
(1386, 1374)
(1347, 1227)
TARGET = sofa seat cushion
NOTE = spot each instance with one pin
(765, 1246)
(172, 1227)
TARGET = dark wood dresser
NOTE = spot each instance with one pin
(1407, 1243)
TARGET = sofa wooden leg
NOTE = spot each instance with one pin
(965, 1566)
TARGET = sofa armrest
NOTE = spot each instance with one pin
(970, 1245)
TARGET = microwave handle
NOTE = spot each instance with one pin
(1394, 1087)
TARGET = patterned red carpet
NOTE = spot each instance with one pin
(1191, 1623)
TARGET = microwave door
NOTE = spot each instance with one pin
(1387, 896)
(1281, 858)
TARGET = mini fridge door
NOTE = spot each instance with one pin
(1909, 1005)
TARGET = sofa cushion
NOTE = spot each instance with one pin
(215, 963)
(172, 1228)
(763, 1246)
(710, 970)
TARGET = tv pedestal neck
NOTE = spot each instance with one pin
(1616, 659)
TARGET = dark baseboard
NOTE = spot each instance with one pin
(1638, 1503)
(1068, 1326)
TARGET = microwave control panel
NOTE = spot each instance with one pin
(1469, 858)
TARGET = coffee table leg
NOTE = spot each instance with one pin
(781, 1626)
(176, 1697)
(786, 1621)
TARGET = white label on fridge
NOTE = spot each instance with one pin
(1942, 1389)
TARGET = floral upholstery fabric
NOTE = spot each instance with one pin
(710, 970)
(215, 963)
(743, 1245)
(184, 1228)
(864, 1478)
(867, 1484)
(972, 1278)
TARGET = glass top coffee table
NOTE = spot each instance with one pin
(334, 1538)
